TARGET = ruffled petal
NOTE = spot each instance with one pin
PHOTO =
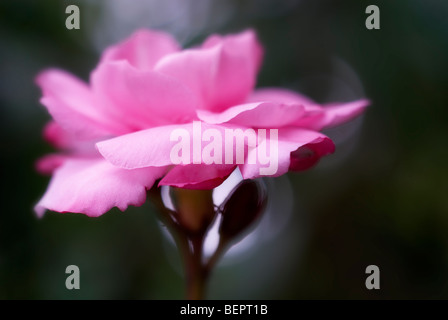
(142, 99)
(153, 147)
(142, 49)
(279, 95)
(193, 176)
(50, 162)
(67, 142)
(244, 43)
(222, 72)
(308, 155)
(338, 113)
(256, 115)
(315, 117)
(58, 137)
(72, 105)
(279, 160)
(93, 187)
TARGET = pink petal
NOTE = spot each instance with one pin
(151, 147)
(338, 113)
(195, 176)
(142, 49)
(68, 142)
(316, 117)
(57, 137)
(71, 104)
(50, 162)
(93, 187)
(289, 140)
(222, 72)
(142, 99)
(308, 155)
(281, 96)
(256, 115)
(241, 41)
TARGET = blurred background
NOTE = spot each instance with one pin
(381, 199)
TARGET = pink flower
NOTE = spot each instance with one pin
(115, 131)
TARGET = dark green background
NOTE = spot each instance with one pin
(386, 203)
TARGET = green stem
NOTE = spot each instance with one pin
(196, 273)
(219, 252)
(190, 247)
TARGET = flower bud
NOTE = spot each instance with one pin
(195, 210)
(242, 207)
